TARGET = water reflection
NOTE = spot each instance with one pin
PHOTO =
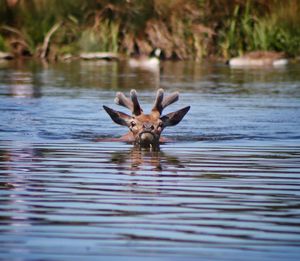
(185, 198)
(145, 159)
(207, 78)
(108, 75)
(227, 188)
(17, 163)
(23, 84)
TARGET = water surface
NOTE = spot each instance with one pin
(227, 188)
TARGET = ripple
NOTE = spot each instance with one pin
(185, 201)
(226, 188)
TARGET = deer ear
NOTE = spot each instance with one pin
(117, 116)
(175, 117)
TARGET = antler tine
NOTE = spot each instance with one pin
(173, 97)
(157, 106)
(122, 100)
(162, 102)
(137, 110)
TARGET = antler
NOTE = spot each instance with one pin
(133, 104)
(162, 102)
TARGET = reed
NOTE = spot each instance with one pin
(182, 29)
(3, 46)
(248, 30)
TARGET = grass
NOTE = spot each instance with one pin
(3, 45)
(182, 29)
(276, 30)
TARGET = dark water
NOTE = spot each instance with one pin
(227, 188)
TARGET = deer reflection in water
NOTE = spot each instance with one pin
(145, 129)
(144, 159)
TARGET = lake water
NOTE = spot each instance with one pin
(226, 188)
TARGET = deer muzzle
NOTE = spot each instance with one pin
(147, 136)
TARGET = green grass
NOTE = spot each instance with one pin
(180, 28)
(246, 30)
(103, 38)
(3, 46)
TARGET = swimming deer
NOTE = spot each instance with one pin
(145, 129)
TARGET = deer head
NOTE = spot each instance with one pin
(146, 129)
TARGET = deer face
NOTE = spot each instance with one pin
(146, 129)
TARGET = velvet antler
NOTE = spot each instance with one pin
(132, 104)
(162, 102)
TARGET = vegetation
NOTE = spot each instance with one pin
(248, 29)
(182, 29)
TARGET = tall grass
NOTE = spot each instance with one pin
(247, 30)
(103, 38)
(3, 46)
(180, 28)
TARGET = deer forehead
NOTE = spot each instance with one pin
(147, 118)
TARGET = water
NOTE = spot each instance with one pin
(227, 188)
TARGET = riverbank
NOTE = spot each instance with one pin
(56, 30)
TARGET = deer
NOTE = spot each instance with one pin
(145, 129)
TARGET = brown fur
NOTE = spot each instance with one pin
(145, 129)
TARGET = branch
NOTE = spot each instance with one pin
(47, 40)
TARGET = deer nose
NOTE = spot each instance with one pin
(147, 126)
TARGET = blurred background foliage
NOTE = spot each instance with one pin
(182, 29)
